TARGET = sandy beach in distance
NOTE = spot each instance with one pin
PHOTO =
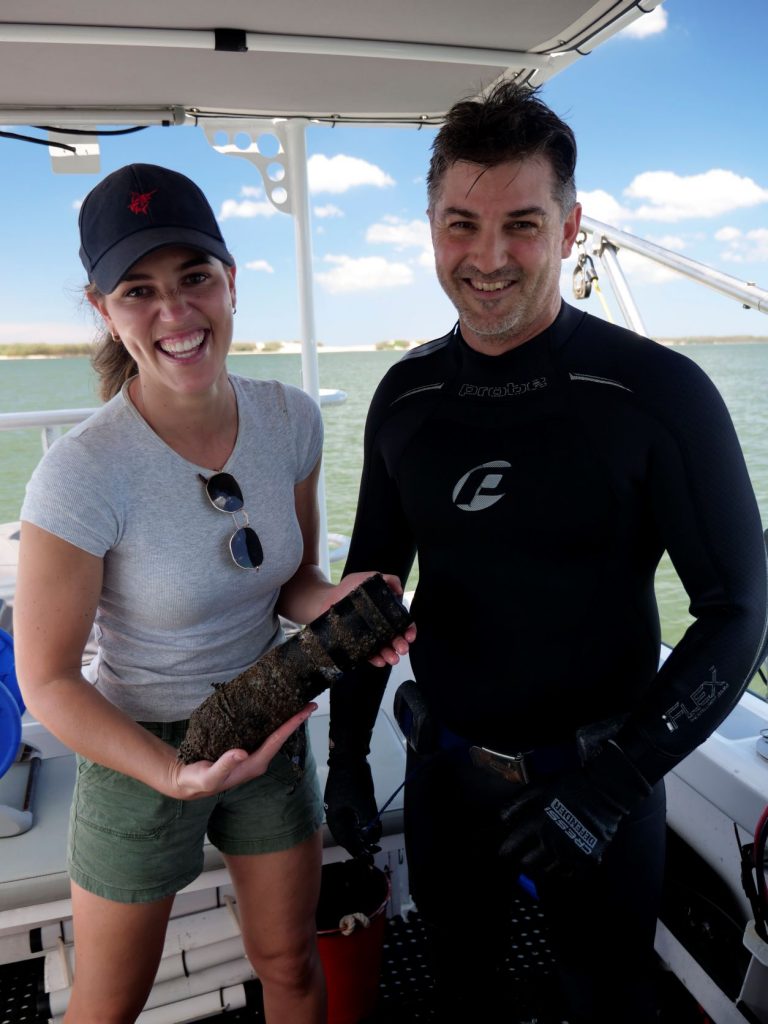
(287, 348)
(264, 348)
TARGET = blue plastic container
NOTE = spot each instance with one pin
(11, 704)
(8, 669)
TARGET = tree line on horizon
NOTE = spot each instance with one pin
(26, 349)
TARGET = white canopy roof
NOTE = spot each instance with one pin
(347, 59)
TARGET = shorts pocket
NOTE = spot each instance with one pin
(284, 770)
(122, 806)
(291, 762)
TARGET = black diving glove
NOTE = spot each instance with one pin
(350, 807)
(565, 827)
(350, 802)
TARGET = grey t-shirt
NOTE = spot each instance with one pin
(176, 614)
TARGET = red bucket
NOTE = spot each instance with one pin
(351, 894)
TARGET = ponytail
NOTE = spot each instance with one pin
(110, 360)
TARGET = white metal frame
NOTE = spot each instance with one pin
(606, 243)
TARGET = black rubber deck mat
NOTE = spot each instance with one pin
(405, 991)
(19, 987)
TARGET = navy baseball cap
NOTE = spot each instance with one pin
(140, 208)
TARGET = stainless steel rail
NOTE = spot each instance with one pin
(607, 241)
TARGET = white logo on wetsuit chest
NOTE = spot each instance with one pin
(509, 390)
(479, 488)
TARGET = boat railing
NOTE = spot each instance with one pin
(53, 422)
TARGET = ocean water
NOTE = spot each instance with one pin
(740, 372)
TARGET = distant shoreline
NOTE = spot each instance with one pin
(681, 343)
(287, 348)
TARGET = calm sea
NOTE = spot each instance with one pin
(740, 371)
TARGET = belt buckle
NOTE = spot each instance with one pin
(511, 767)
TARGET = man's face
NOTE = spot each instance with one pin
(499, 238)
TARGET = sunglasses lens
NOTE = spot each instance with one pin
(246, 548)
(224, 492)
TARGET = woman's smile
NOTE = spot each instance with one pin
(183, 346)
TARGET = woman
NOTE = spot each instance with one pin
(122, 525)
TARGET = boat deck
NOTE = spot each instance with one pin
(405, 990)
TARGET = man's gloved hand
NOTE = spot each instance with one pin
(566, 825)
(350, 805)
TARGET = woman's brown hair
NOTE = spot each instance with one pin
(110, 358)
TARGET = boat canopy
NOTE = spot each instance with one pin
(148, 62)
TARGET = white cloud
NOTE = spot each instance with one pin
(649, 24)
(267, 268)
(340, 173)
(672, 197)
(727, 234)
(401, 234)
(246, 208)
(602, 206)
(251, 203)
(749, 247)
(368, 273)
(329, 210)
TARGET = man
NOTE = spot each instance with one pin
(540, 461)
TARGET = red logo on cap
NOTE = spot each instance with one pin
(140, 201)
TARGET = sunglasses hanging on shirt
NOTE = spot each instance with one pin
(225, 495)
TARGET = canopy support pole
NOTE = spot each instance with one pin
(298, 189)
(286, 183)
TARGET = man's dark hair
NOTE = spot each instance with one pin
(509, 123)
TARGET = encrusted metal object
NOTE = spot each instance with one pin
(243, 712)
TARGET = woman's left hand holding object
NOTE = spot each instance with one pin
(206, 778)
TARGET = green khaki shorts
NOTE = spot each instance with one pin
(129, 843)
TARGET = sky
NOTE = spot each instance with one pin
(670, 120)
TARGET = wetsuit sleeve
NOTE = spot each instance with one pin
(381, 541)
(381, 538)
(707, 515)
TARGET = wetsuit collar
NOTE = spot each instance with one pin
(552, 337)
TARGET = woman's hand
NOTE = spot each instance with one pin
(206, 778)
(401, 644)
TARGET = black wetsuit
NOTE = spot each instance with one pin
(540, 488)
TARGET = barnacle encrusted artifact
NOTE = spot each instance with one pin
(241, 713)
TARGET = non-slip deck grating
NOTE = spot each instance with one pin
(405, 991)
(19, 985)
